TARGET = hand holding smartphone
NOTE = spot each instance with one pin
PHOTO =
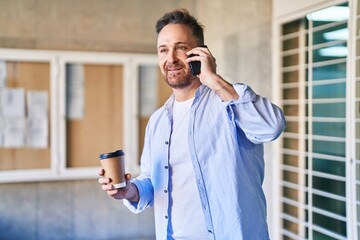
(195, 66)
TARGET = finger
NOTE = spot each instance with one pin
(202, 51)
(128, 176)
(107, 187)
(104, 180)
(101, 172)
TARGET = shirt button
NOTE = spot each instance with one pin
(166, 167)
(166, 142)
(165, 191)
(166, 217)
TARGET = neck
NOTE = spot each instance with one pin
(186, 93)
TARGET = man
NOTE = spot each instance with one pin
(202, 165)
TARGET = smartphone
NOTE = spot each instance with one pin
(195, 66)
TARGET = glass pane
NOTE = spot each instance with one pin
(357, 154)
(289, 44)
(291, 93)
(27, 89)
(329, 15)
(336, 110)
(329, 148)
(328, 53)
(320, 236)
(329, 166)
(290, 226)
(291, 143)
(334, 129)
(358, 43)
(292, 127)
(358, 171)
(291, 77)
(291, 110)
(291, 27)
(358, 64)
(358, 87)
(332, 71)
(290, 176)
(331, 205)
(291, 60)
(99, 92)
(358, 192)
(330, 224)
(330, 34)
(290, 209)
(329, 185)
(290, 160)
(337, 90)
(290, 193)
(287, 238)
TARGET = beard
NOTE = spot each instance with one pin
(179, 80)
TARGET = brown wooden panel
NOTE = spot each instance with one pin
(101, 129)
(31, 76)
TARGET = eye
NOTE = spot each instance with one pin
(163, 50)
(181, 48)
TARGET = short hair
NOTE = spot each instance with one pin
(182, 16)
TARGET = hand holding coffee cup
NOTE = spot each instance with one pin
(114, 168)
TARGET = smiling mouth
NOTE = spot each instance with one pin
(174, 70)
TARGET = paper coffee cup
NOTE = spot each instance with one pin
(114, 166)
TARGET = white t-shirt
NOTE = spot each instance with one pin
(187, 220)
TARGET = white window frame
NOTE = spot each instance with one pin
(57, 61)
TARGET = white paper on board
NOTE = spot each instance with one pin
(75, 91)
(13, 102)
(37, 103)
(15, 129)
(37, 132)
(148, 90)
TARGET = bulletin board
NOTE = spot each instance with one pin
(86, 115)
(163, 92)
(28, 76)
(100, 128)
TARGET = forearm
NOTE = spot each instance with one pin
(222, 88)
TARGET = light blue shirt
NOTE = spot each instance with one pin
(225, 143)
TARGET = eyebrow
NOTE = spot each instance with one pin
(176, 44)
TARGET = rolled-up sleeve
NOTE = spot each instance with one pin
(256, 116)
(146, 197)
(143, 182)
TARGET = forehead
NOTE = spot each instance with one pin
(174, 33)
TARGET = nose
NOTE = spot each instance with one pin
(172, 56)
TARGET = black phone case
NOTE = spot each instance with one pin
(195, 66)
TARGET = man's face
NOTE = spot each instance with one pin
(174, 40)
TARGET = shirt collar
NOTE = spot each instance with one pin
(170, 102)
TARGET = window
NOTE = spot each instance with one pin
(84, 104)
(321, 142)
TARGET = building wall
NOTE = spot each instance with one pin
(238, 32)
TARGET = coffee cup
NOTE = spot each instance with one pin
(114, 167)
